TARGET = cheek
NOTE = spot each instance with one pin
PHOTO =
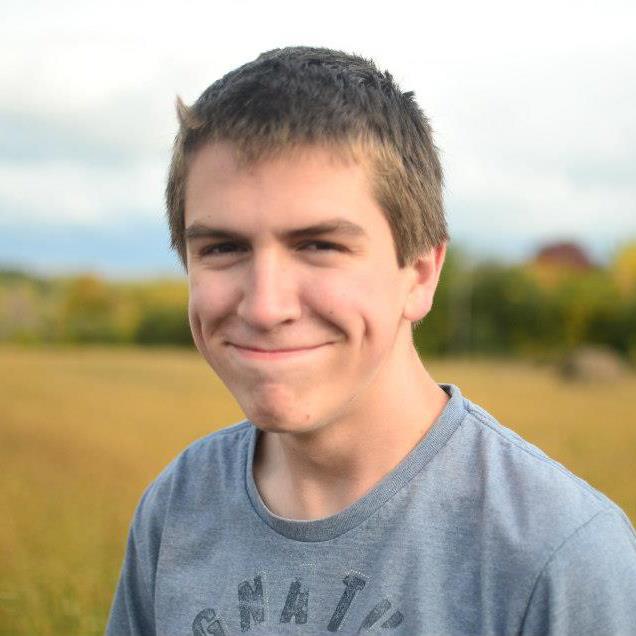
(208, 303)
(335, 297)
(364, 304)
(195, 317)
(208, 298)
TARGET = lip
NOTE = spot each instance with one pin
(273, 354)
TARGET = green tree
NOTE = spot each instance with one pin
(164, 325)
(92, 311)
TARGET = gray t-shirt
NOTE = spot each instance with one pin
(476, 531)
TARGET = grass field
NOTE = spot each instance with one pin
(83, 431)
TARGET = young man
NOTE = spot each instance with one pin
(305, 199)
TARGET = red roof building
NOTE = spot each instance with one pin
(564, 255)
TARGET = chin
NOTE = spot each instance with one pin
(280, 420)
(272, 407)
(279, 423)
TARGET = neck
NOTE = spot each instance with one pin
(318, 474)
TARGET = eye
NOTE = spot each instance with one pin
(321, 246)
(218, 249)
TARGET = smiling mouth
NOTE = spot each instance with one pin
(273, 354)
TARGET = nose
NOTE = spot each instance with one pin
(269, 292)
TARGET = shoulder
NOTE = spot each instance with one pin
(527, 475)
(203, 471)
(528, 500)
(588, 584)
(570, 547)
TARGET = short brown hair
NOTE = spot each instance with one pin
(300, 96)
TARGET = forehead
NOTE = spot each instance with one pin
(225, 159)
(307, 184)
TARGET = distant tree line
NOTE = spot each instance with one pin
(534, 309)
(89, 309)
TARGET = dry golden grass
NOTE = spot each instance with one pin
(83, 431)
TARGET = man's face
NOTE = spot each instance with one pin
(296, 298)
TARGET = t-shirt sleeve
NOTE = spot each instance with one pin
(132, 612)
(588, 586)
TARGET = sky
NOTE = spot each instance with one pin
(532, 106)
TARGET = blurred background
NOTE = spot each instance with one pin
(535, 318)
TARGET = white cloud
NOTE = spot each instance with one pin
(532, 104)
(72, 193)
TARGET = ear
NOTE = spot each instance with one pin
(426, 270)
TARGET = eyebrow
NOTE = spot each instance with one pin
(332, 226)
